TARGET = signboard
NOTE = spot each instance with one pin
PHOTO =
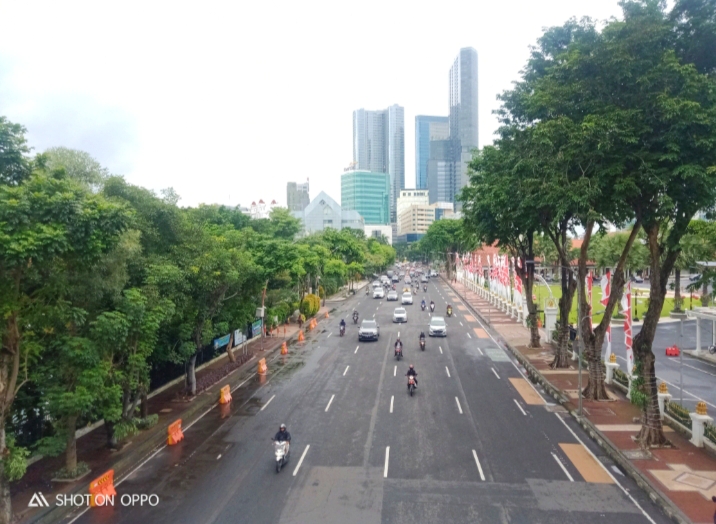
(221, 341)
(256, 328)
(239, 337)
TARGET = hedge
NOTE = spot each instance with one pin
(310, 305)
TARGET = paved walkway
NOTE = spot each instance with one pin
(168, 404)
(684, 474)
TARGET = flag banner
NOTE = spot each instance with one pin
(590, 279)
(626, 305)
(606, 284)
(609, 343)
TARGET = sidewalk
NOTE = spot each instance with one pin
(681, 479)
(91, 447)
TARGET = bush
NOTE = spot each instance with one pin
(146, 423)
(679, 412)
(621, 377)
(310, 305)
(15, 461)
(125, 429)
(710, 432)
(321, 292)
(80, 470)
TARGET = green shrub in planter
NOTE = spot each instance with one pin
(80, 470)
(146, 423)
(124, 429)
(679, 412)
(710, 432)
(310, 305)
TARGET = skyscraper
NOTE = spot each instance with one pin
(368, 193)
(463, 113)
(446, 165)
(379, 146)
(427, 128)
(297, 196)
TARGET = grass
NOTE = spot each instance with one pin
(639, 302)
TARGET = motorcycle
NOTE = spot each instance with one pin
(449, 312)
(282, 451)
(355, 318)
(411, 384)
(432, 308)
(425, 288)
(422, 306)
(399, 352)
(422, 344)
(343, 330)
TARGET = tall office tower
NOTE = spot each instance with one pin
(297, 196)
(463, 113)
(427, 128)
(379, 146)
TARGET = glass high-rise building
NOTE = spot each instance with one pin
(379, 146)
(463, 113)
(427, 128)
(297, 196)
(368, 193)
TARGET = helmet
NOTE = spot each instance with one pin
(283, 426)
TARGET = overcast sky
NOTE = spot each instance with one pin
(226, 101)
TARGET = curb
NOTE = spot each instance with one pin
(655, 494)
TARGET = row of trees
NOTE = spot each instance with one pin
(101, 280)
(605, 127)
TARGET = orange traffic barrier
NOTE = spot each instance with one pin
(301, 338)
(313, 320)
(326, 314)
(284, 349)
(102, 489)
(263, 368)
(225, 395)
(174, 433)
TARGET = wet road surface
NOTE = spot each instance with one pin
(477, 443)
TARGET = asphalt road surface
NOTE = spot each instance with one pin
(476, 444)
(687, 377)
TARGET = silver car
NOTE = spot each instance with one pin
(400, 315)
(392, 295)
(407, 298)
(438, 327)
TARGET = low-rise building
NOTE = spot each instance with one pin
(416, 219)
(323, 212)
(379, 231)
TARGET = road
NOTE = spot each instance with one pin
(476, 444)
(698, 376)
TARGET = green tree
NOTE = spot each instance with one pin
(447, 238)
(78, 165)
(15, 166)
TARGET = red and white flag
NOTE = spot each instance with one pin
(590, 278)
(606, 284)
(626, 306)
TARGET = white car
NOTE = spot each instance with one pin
(378, 292)
(392, 295)
(407, 298)
(400, 315)
(438, 327)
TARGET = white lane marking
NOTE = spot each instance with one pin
(373, 315)
(387, 458)
(479, 467)
(329, 402)
(329, 334)
(495, 372)
(218, 457)
(481, 353)
(563, 468)
(356, 351)
(448, 371)
(391, 403)
(626, 492)
(518, 405)
(615, 469)
(267, 403)
(694, 367)
(441, 349)
(395, 370)
(459, 407)
(301, 459)
(346, 371)
(461, 323)
(468, 335)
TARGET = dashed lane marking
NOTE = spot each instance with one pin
(356, 351)
(480, 351)
(459, 407)
(395, 370)
(441, 349)
(563, 468)
(303, 456)
(468, 335)
(518, 405)
(479, 467)
(387, 459)
(329, 402)
(346, 371)
(267, 403)
(391, 403)
(495, 372)
(447, 371)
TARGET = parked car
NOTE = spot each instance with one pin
(400, 315)
(368, 330)
(694, 278)
(392, 295)
(438, 327)
(637, 279)
(407, 298)
(378, 292)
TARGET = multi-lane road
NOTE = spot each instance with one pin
(477, 443)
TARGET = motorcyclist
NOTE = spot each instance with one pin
(413, 373)
(422, 304)
(422, 339)
(398, 346)
(343, 325)
(283, 436)
(449, 309)
(355, 316)
(432, 306)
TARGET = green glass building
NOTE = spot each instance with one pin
(369, 194)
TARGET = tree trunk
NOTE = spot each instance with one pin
(595, 389)
(191, 375)
(677, 289)
(145, 405)
(230, 349)
(71, 449)
(561, 356)
(5, 501)
(111, 437)
(652, 432)
(705, 295)
(531, 313)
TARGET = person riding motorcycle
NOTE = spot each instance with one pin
(355, 316)
(343, 325)
(398, 346)
(422, 339)
(422, 304)
(412, 373)
(432, 306)
(283, 436)
(449, 310)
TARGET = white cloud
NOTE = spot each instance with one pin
(227, 101)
